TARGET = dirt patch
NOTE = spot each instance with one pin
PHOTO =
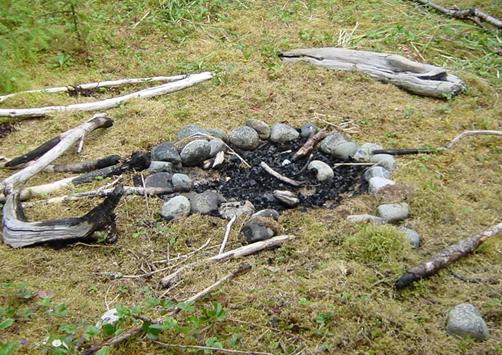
(6, 129)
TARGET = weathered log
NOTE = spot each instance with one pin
(188, 81)
(446, 257)
(18, 232)
(33, 154)
(84, 166)
(66, 140)
(309, 145)
(418, 78)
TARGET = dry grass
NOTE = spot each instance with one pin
(324, 290)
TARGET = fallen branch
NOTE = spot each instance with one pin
(18, 232)
(406, 151)
(81, 167)
(163, 89)
(66, 140)
(278, 176)
(227, 233)
(472, 14)
(446, 257)
(310, 144)
(472, 133)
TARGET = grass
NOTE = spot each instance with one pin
(329, 290)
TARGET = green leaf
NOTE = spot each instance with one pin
(6, 323)
(214, 343)
(103, 351)
(90, 332)
(7, 349)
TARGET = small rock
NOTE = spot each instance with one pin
(287, 197)
(329, 143)
(254, 232)
(376, 171)
(160, 166)
(205, 202)
(176, 207)
(323, 171)
(217, 133)
(393, 212)
(365, 151)
(110, 317)
(411, 236)
(308, 129)
(181, 182)
(285, 162)
(345, 150)
(385, 160)
(269, 212)
(166, 152)
(216, 146)
(378, 183)
(465, 321)
(228, 210)
(162, 180)
(282, 133)
(365, 218)
(244, 137)
(260, 127)
(195, 152)
(190, 130)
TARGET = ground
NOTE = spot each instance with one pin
(331, 289)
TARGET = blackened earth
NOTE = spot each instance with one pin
(6, 128)
(256, 185)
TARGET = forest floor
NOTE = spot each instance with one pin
(330, 289)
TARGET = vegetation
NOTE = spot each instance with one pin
(331, 289)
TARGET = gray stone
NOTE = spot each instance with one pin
(323, 171)
(160, 166)
(195, 152)
(288, 198)
(176, 207)
(411, 236)
(393, 212)
(230, 209)
(269, 212)
(365, 151)
(308, 129)
(345, 150)
(166, 152)
(385, 160)
(376, 171)
(216, 146)
(189, 130)
(244, 137)
(260, 127)
(254, 232)
(465, 321)
(162, 180)
(377, 183)
(365, 218)
(329, 143)
(205, 202)
(182, 182)
(282, 133)
(217, 133)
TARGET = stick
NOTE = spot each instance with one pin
(310, 144)
(188, 81)
(96, 85)
(67, 139)
(278, 176)
(405, 151)
(227, 233)
(446, 257)
(472, 14)
(210, 348)
(471, 133)
(84, 166)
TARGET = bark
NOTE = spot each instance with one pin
(446, 257)
(309, 145)
(188, 81)
(418, 78)
(18, 232)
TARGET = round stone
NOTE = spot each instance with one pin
(365, 218)
(365, 151)
(217, 133)
(176, 207)
(329, 143)
(160, 166)
(216, 146)
(411, 236)
(282, 133)
(160, 180)
(377, 183)
(394, 212)
(190, 130)
(182, 182)
(323, 171)
(465, 321)
(195, 152)
(269, 212)
(384, 160)
(308, 129)
(230, 209)
(345, 150)
(166, 152)
(260, 127)
(376, 171)
(254, 232)
(244, 137)
(205, 202)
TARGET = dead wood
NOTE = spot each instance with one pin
(18, 232)
(84, 166)
(309, 145)
(472, 133)
(163, 89)
(405, 151)
(278, 176)
(446, 257)
(473, 14)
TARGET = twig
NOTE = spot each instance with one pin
(198, 347)
(472, 133)
(145, 195)
(227, 233)
(141, 19)
(168, 260)
(81, 144)
(406, 151)
(278, 176)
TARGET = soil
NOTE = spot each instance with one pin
(6, 129)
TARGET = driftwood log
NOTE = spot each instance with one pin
(418, 78)
(163, 89)
(446, 257)
(18, 232)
